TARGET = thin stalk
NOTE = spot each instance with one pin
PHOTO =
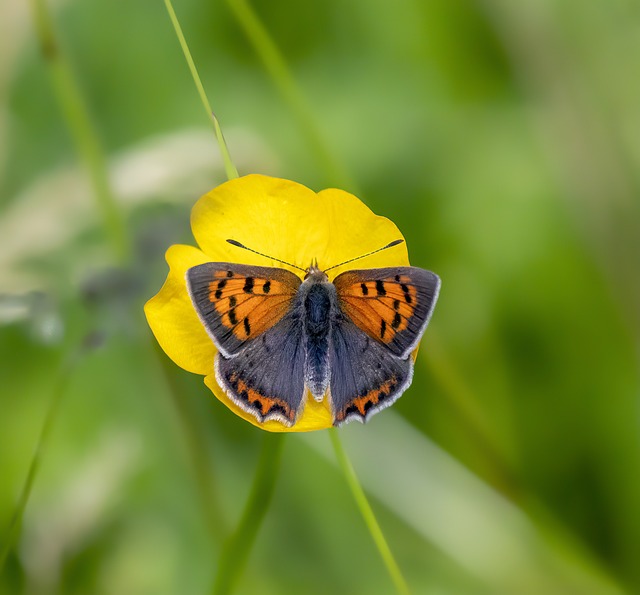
(78, 120)
(277, 68)
(197, 448)
(368, 515)
(229, 167)
(59, 389)
(235, 552)
(465, 404)
(87, 144)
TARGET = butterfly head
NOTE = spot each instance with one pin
(314, 273)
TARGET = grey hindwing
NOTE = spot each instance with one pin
(271, 366)
(365, 377)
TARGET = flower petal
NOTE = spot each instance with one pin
(356, 230)
(174, 321)
(289, 221)
(277, 217)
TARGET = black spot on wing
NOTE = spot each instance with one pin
(232, 317)
(407, 295)
(383, 328)
(365, 289)
(248, 285)
(221, 285)
(266, 288)
(380, 288)
(247, 327)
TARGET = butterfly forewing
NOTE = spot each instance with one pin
(237, 303)
(391, 305)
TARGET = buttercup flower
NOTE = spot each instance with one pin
(287, 221)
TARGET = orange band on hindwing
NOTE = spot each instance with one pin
(373, 398)
(262, 404)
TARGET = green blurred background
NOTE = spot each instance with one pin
(504, 140)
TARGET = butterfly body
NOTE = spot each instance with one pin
(318, 298)
(349, 340)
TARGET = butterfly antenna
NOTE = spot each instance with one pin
(389, 245)
(239, 245)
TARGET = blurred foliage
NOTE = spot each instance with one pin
(501, 137)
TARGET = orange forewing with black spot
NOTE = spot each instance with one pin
(391, 305)
(249, 305)
(237, 303)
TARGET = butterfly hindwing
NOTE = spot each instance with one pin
(392, 305)
(365, 377)
(266, 378)
(237, 303)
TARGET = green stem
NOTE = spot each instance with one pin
(229, 167)
(88, 146)
(465, 404)
(78, 120)
(368, 515)
(197, 448)
(237, 548)
(235, 552)
(58, 391)
(278, 70)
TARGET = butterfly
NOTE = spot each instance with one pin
(277, 336)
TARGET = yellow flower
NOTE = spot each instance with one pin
(285, 220)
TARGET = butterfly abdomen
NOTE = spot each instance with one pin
(318, 307)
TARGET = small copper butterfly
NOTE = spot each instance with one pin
(349, 340)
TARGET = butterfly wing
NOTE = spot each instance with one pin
(365, 377)
(266, 378)
(391, 305)
(383, 315)
(237, 303)
(251, 316)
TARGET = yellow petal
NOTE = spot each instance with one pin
(289, 221)
(273, 216)
(354, 231)
(174, 321)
